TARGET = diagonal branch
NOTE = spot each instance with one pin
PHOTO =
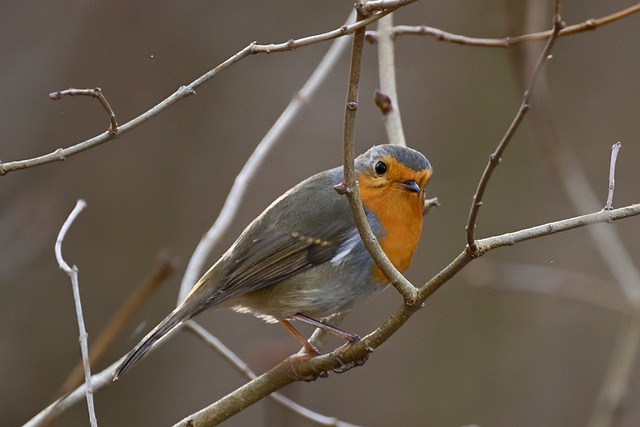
(252, 166)
(184, 91)
(281, 375)
(506, 42)
(496, 156)
(166, 266)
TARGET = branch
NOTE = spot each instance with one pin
(238, 364)
(495, 158)
(356, 351)
(96, 93)
(387, 97)
(73, 274)
(110, 332)
(252, 166)
(506, 42)
(281, 375)
(615, 149)
(375, 5)
(350, 188)
(184, 91)
(105, 377)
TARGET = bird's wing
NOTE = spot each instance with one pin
(279, 256)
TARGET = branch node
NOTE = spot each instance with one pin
(473, 250)
(341, 188)
(383, 101)
(430, 203)
(60, 154)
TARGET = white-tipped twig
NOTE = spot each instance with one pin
(615, 149)
(73, 274)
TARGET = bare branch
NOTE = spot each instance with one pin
(99, 380)
(184, 91)
(238, 364)
(495, 158)
(615, 149)
(280, 376)
(110, 332)
(73, 274)
(388, 92)
(252, 166)
(406, 289)
(96, 93)
(376, 5)
(506, 42)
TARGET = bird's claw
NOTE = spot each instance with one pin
(345, 366)
(295, 361)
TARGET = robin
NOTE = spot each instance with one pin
(303, 259)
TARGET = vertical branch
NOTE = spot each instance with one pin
(350, 186)
(387, 97)
(73, 274)
(615, 149)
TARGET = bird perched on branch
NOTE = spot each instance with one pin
(303, 259)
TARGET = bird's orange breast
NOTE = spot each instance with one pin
(400, 214)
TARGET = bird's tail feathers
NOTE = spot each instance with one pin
(179, 315)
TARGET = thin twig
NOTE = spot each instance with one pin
(377, 5)
(163, 270)
(252, 166)
(184, 91)
(96, 93)
(388, 92)
(73, 274)
(506, 42)
(98, 381)
(615, 149)
(495, 158)
(430, 203)
(406, 289)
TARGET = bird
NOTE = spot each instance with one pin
(303, 259)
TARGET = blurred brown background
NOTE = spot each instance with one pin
(485, 356)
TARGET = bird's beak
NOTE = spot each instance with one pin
(411, 185)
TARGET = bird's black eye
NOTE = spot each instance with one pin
(381, 168)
